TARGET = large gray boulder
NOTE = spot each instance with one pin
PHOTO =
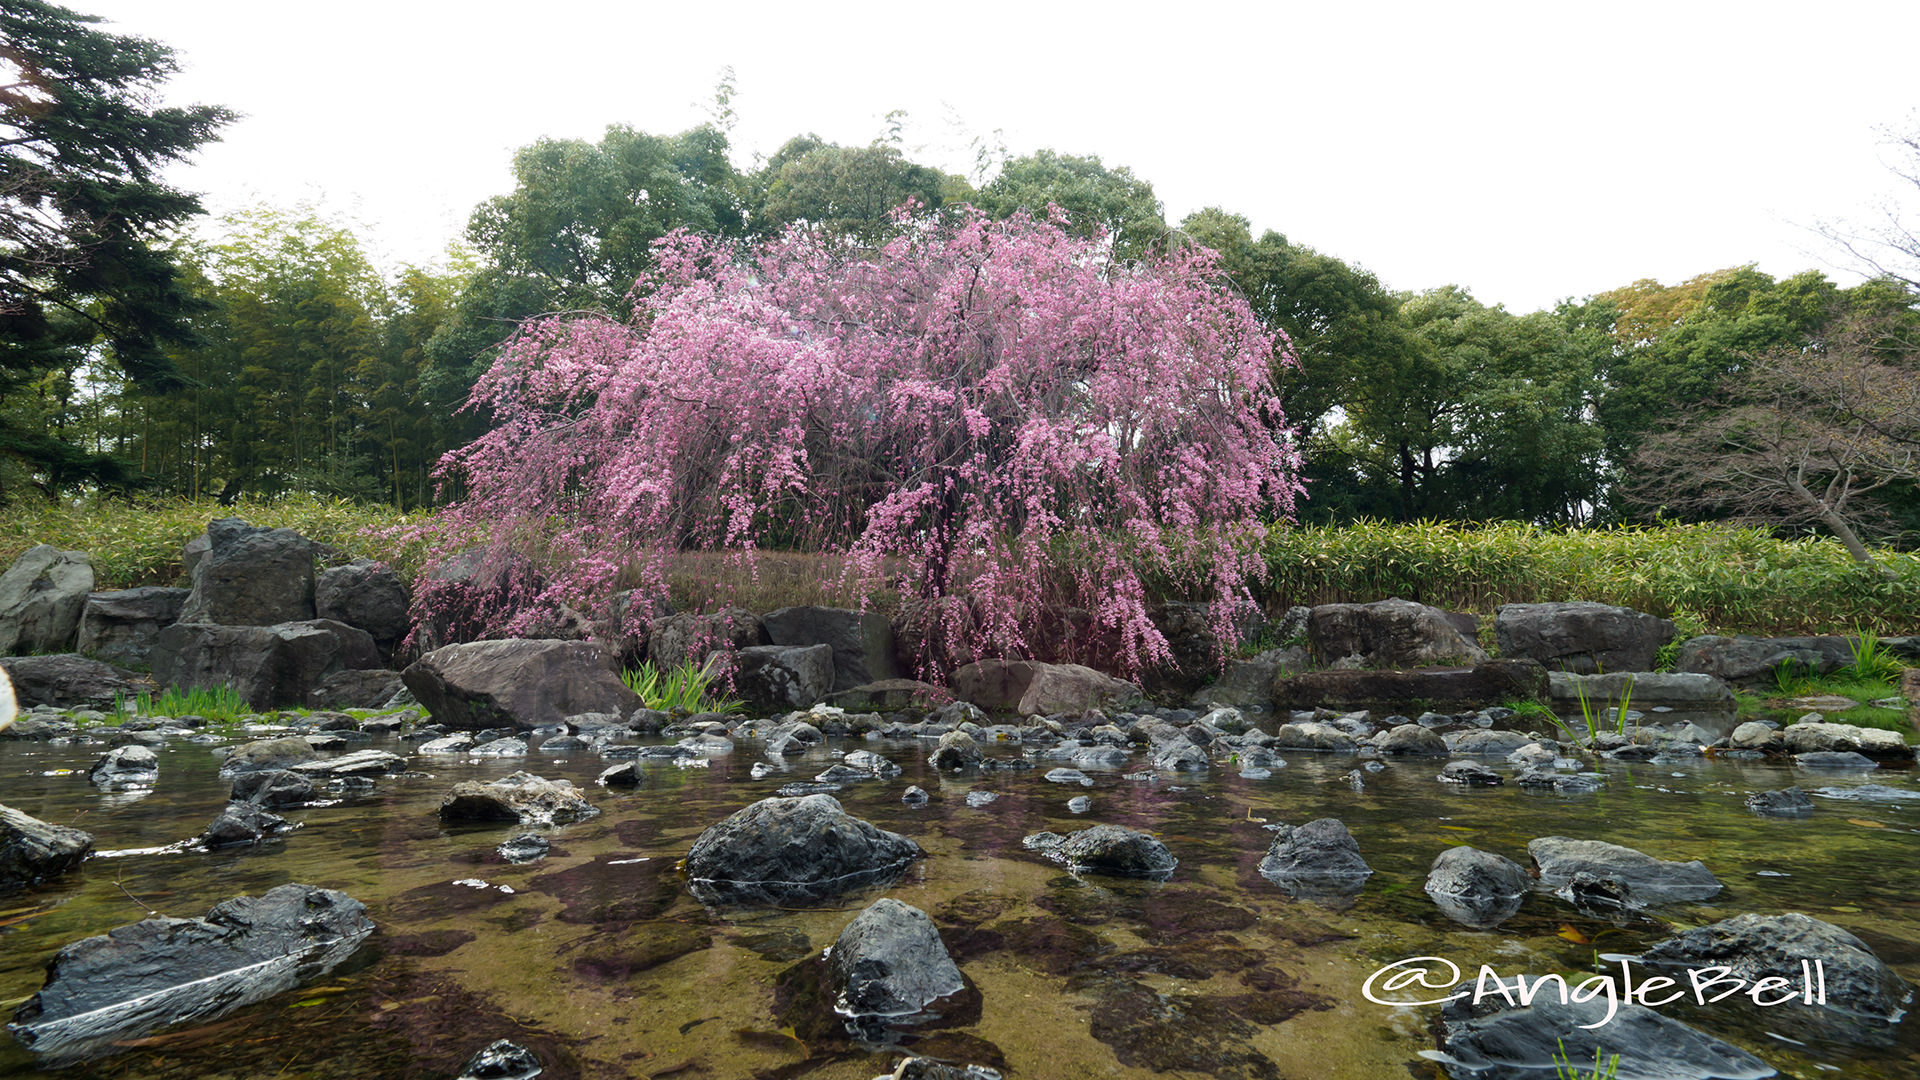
(68, 680)
(1494, 1038)
(889, 961)
(1028, 687)
(269, 666)
(1747, 661)
(41, 596)
(1761, 946)
(1581, 636)
(367, 595)
(251, 577)
(862, 641)
(677, 639)
(777, 678)
(793, 850)
(122, 627)
(1250, 682)
(357, 688)
(133, 979)
(518, 797)
(517, 682)
(1389, 634)
(1664, 698)
(1108, 849)
(32, 850)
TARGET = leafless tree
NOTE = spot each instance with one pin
(1888, 246)
(1801, 435)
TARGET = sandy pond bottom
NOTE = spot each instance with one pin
(598, 959)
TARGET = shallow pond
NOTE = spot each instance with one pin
(597, 957)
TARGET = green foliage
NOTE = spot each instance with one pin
(1612, 716)
(1735, 580)
(1603, 1068)
(81, 147)
(218, 705)
(683, 689)
(140, 545)
(1870, 660)
(1095, 197)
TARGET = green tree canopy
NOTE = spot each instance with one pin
(83, 214)
(1094, 196)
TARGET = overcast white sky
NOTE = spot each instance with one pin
(1528, 150)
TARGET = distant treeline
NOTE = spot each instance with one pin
(315, 372)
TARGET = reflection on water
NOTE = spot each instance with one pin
(598, 959)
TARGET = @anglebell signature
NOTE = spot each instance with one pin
(1705, 985)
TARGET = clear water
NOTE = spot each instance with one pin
(600, 961)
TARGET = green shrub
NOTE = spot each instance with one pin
(678, 689)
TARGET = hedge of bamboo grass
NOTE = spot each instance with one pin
(1735, 580)
(1704, 576)
(139, 544)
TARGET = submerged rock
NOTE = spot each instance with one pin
(781, 850)
(889, 961)
(1470, 773)
(521, 797)
(524, 848)
(1785, 801)
(1761, 946)
(1477, 888)
(1495, 1040)
(1317, 861)
(1649, 880)
(162, 971)
(264, 755)
(32, 850)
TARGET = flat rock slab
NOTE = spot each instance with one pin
(519, 797)
(1454, 690)
(358, 763)
(134, 979)
(1108, 849)
(1491, 1041)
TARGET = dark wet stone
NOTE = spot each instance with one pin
(643, 947)
(889, 961)
(1785, 801)
(32, 850)
(1108, 849)
(871, 762)
(1477, 888)
(162, 971)
(272, 788)
(243, 823)
(843, 773)
(920, 1068)
(1759, 946)
(624, 775)
(1650, 880)
(913, 796)
(350, 785)
(779, 850)
(502, 1060)
(1546, 779)
(1069, 776)
(1079, 804)
(1495, 1041)
(524, 848)
(980, 798)
(1470, 773)
(564, 744)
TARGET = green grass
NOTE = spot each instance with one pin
(219, 706)
(1603, 1068)
(678, 689)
